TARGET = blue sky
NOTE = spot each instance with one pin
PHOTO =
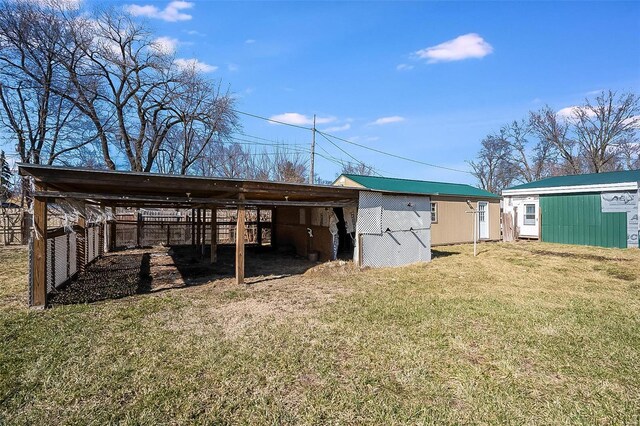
(353, 63)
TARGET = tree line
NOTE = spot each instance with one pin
(598, 136)
(99, 89)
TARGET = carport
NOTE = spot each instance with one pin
(102, 191)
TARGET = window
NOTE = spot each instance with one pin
(434, 212)
(529, 214)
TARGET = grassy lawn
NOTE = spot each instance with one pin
(529, 333)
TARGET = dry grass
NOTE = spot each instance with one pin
(523, 334)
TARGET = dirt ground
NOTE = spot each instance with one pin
(149, 270)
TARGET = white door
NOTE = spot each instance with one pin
(483, 220)
(528, 218)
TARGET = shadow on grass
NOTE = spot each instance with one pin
(436, 254)
(110, 277)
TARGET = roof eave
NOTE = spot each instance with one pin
(622, 186)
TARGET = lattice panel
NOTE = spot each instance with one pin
(396, 248)
(369, 213)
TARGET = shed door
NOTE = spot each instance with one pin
(483, 220)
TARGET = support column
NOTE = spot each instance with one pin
(138, 229)
(193, 227)
(198, 227)
(39, 284)
(112, 235)
(240, 225)
(259, 228)
(203, 242)
(274, 242)
(214, 235)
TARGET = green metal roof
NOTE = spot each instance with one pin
(588, 179)
(409, 186)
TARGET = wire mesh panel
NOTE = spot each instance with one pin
(394, 230)
(61, 259)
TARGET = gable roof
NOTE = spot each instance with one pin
(409, 186)
(597, 181)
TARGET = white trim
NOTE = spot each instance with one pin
(486, 219)
(624, 186)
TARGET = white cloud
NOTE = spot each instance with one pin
(301, 119)
(194, 32)
(594, 92)
(232, 67)
(249, 41)
(166, 45)
(404, 67)
(462, 47)
(194, 65)
(569, 113)
(342, 128)
(387, 120)
(171, 13)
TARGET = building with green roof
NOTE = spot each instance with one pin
(599, 209)
(451, 221)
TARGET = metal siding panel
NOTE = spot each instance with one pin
(578, 219)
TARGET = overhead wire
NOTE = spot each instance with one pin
(379, 151)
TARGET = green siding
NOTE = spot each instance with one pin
(578, 219)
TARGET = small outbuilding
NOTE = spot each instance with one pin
(598, 209)
(450, 208)
(374, 227)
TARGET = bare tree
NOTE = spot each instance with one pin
(602, 126)
(530, 160)
(493, 167)
(362, 169)
(37, 117)
(553, 131)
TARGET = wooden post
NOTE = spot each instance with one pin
(203, 242)
(214, 235)
(198, 236)
(193, 227)
(138, 228)
(240, 243)
(274, 242)
(39, 252)
(112, 235)
(539, 223)
(81, 245)
(259, 227)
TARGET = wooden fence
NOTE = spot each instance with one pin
(15, 224)
(132, 229)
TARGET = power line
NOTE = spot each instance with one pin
(271, 120)
(393, 155)
(351, 156)
(400, 157)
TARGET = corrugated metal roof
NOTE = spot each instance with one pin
(419, 186)
(588, 179)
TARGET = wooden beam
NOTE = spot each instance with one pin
(240, 243)
(258, 227)
(122, 200)
(214, 235)
(39, 284)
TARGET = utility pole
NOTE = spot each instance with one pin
(313, 150)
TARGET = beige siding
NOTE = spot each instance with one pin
(455, 225)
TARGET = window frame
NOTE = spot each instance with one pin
(525, 220)
(434, 212)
